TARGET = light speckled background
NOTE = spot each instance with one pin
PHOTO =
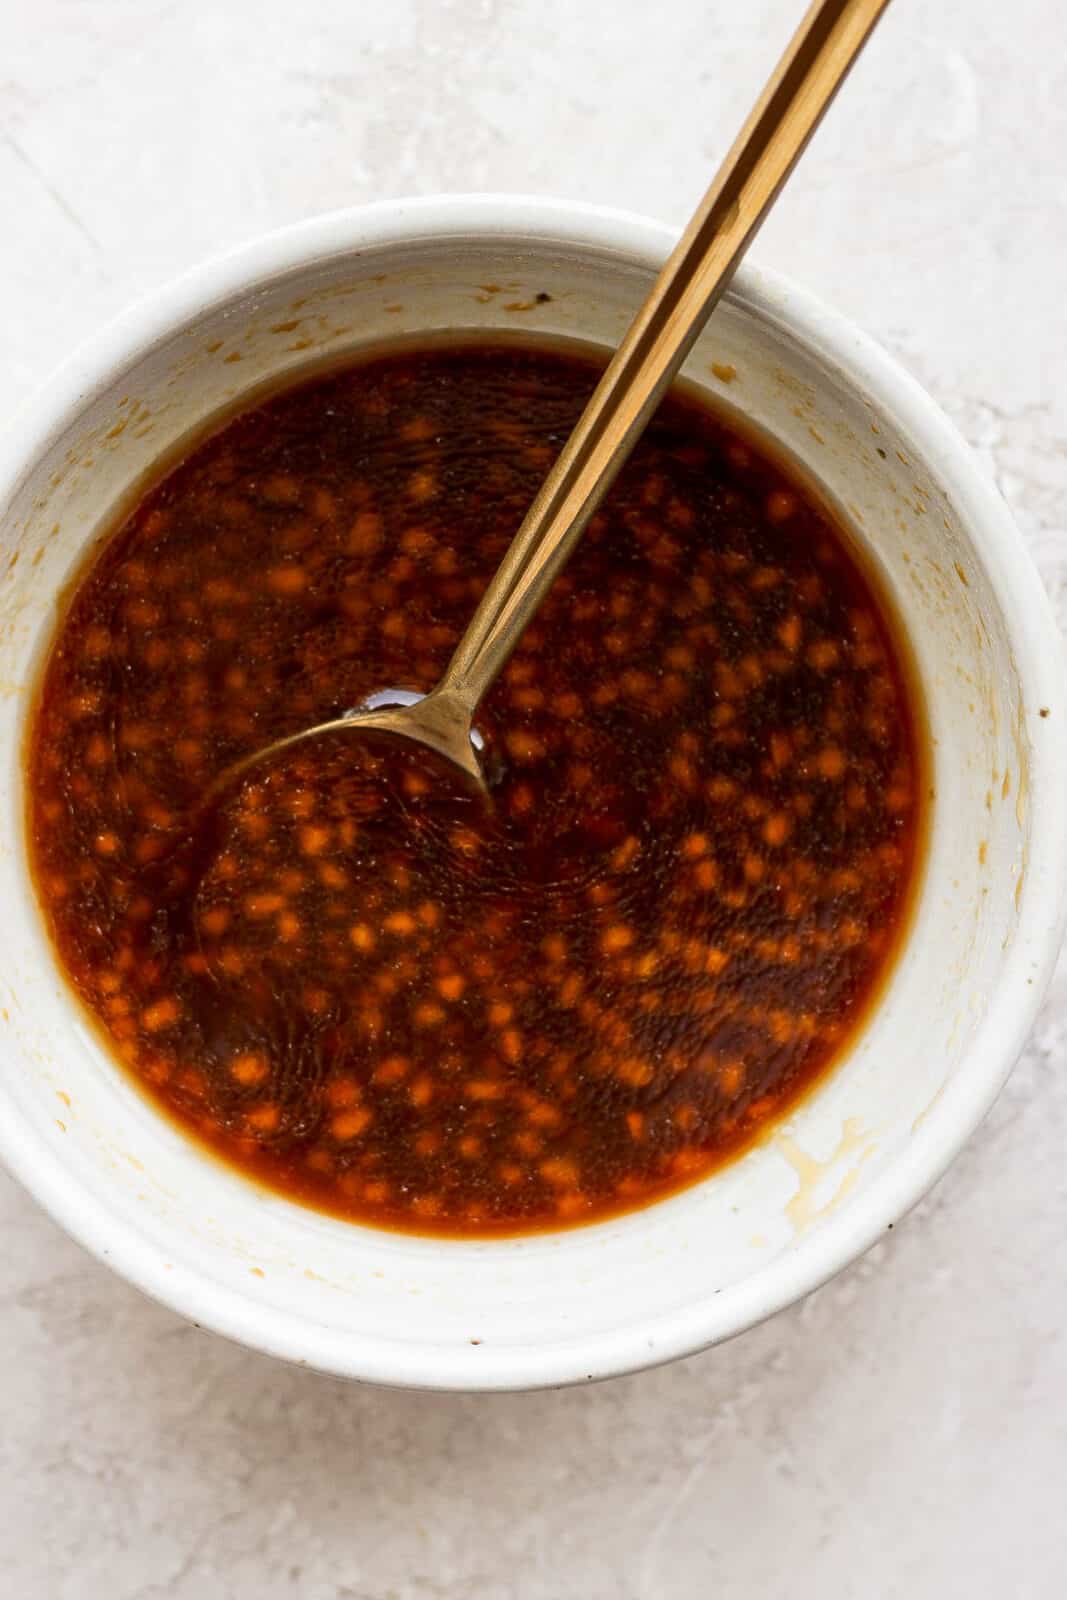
(904, 1432)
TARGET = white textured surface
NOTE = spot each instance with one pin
(903, 1433)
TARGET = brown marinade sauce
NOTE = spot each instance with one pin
(355, 981)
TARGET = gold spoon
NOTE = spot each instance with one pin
(660, 337)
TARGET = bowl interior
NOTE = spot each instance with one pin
(710, 1260)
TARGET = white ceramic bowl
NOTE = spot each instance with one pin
(717, 1258)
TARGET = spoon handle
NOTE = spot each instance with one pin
(809, 74)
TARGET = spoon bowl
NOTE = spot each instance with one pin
(440, 720)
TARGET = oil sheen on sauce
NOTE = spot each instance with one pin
(355, 981)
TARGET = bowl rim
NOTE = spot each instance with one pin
(114, 1237)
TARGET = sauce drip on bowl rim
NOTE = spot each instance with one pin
(362, 985)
